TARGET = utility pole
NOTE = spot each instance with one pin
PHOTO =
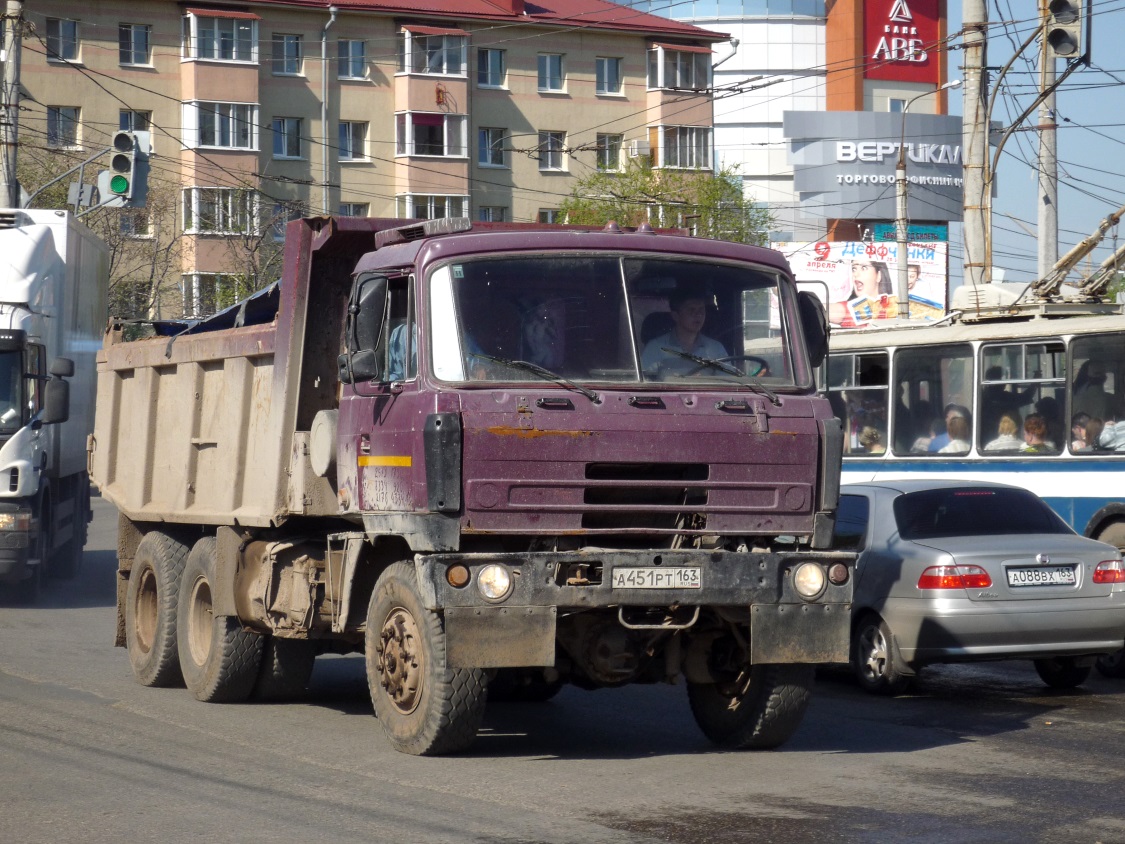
(975, 144)
(10, 105)
(1048, 158)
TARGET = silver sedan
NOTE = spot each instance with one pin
(958, 571)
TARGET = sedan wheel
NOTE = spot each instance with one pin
(873, 658)
(1062, 672)
(1112, 665)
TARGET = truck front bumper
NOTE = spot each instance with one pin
(13, 556)
(519, 628)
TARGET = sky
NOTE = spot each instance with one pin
(1090, 108)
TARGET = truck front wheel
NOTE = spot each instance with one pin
(150, 609)
(760, 710)
(425, 707)
(219, 659)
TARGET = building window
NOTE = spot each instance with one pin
(429, 207)
(608, 75)
(426, 133)
(490, 68)
(895, 105)
(226, 39)
(353, 141)
(551, 72)
(679, 69)
(135, 222)
(62, 126)
(609, 152)
(492, 214)
(208, 293)
(134, 121)
(134, 43)
(226, 125)
(283, 214)
(353, 209)
(549, 215)
(62, 40)
(287, 137)
(687, 146)
(551, 150)
(440, 54)
(286, 55)
(220, 210)
(492, 146)
(353, 59)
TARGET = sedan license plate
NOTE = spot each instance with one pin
(1041, 576)
(683, 577)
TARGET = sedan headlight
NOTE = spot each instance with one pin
(494, 582)
(809, 580)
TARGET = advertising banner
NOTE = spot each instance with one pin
(856, 281)
(900, 38)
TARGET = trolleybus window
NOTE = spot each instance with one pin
(934, 390)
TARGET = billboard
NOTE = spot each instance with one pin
(856, 280)
(844, 164)
(901, 40)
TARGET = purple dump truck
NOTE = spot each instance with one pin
(496, 459)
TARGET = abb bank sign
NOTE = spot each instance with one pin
(901, 40)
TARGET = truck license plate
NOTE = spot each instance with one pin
(1041, 576)
(684, 577)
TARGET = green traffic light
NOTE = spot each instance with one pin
(119, 185)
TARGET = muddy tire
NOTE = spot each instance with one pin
(873, 660)
(287, 665)
(67, 561)
(425, 707)
(763, 717)
(218, 658)
(150, 610)
(1062, 672)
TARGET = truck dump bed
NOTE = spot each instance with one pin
(200, 427)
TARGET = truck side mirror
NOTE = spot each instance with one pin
(358, 366)
(814, 324)
(365, 312)
(62, 368)
(56, 400)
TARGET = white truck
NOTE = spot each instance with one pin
(54, 283)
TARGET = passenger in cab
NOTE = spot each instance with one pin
(689, 312)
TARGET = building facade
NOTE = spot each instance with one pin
(261, 112)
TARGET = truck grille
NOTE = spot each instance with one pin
(624, 495)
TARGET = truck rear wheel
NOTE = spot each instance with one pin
(150, 610)
(425, 707)
(287, 665)
(759, 714)
(219, 659)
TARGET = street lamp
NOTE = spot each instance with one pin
(903, 286)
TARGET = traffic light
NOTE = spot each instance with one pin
(125, 183)
(1065, 22)
(123, 164)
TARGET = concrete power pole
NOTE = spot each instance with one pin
(10, 105)
(1048, 160)
(975, 144)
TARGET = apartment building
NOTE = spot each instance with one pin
(264, 111)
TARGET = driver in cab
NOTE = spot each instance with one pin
(689, 312)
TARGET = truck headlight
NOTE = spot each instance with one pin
(808, 580)
(494, 582)
(15, 521)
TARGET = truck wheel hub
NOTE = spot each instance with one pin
(400, 664)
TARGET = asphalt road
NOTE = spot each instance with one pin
(973, 754)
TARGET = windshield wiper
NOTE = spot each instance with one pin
(723, 366)
(542, 372)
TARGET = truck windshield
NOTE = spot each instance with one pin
(599, 319)
(11, 380)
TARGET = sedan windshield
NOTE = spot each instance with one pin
(973, 511)
(604, 318)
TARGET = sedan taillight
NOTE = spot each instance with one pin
(954, 577)
(1110, 571)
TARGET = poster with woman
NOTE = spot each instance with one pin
(858, 279)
